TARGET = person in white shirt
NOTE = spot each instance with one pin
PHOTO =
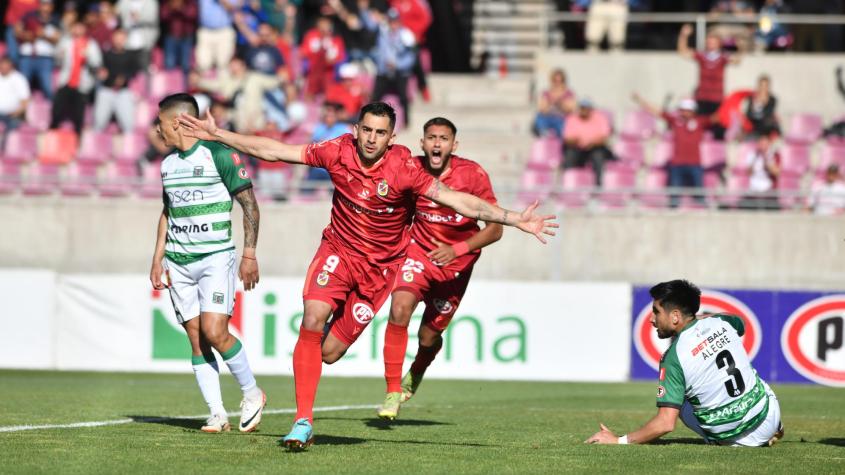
(828, 198)
(14, 97)
(763, 165)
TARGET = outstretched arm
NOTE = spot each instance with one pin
(683, 42)
(659, 425)
(474, 207)
(262, 148)
(647, 106)
(248, 270)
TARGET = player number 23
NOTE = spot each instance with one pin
(412, 265)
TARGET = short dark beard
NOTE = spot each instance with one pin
(446, 160)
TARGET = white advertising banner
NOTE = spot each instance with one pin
(27, 316)
(503, 330)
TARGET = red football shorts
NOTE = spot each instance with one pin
(440, 288)
(355, 288)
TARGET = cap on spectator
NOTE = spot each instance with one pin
(585, 103)
(687, 105)
(392, 14)
(348, 71)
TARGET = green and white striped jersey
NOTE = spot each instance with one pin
(198, 188)
(707, 365)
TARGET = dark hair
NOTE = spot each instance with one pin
(181, 99)
(379, 109)
(440, 121)
(680, 294)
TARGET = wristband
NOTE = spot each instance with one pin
(460, 248)
(247, 257)
(623, 440)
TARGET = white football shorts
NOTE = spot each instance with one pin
(207, 285)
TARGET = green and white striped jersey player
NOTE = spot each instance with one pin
(705, 377)
(196, 253)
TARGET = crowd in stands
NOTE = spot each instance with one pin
(770, 170)
(79, 72)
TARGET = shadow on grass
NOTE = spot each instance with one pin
(381, 424)
(193, 424)
(323, 439)
(679, 441)
(837, 441)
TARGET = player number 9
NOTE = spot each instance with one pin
(331, 263)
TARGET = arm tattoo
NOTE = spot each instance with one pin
(434, 190)
(251, 216)
(505, 218)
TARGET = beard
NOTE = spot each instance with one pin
(662, 334)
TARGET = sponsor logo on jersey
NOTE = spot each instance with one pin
(661, 391)
(323, 278)
(408, 276)
(236, 159)
(217, 297)
(437, 218)
(364, 194)
(382, 188)
(189, 228)
(443, 306)
(813, 340)
(651, 348)
(185, 196)
(362, 313)
(198, 171)
(243, 174)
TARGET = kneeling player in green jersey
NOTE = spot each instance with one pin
(706, 378)
(195, 242)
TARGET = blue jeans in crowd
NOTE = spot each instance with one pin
(685, 176)
(177, 52)
(12, 44)
(40, 67)
(548, 124)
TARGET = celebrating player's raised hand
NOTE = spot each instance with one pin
(535, 224)
(203, 129)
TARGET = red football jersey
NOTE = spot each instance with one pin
(445, 224)
(371, 208)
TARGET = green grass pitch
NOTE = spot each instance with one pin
(449, 427)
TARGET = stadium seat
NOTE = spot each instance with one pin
(119, 180)
(81, 179)
(58, 147)
(151, 181)
(788, 186)
(536, 184)
(739, 159)
(21, 146)
(139, 85)
(131, 148)
(663, 152)
(617, 186)
(629, 153)
(38, 113)
(714, 155)
(654, 189)
(804, 128)
(10, 177)
(831, 154)
(163, 83)
(44, 179)
(736, 186)
(546, 153)
(95, 148)
(794, 158)
(145, 113)
(610, 118)
(576, 182)
(638, 125)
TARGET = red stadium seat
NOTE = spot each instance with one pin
(629, 153)
(95, 147)
(21, 146)
(654, 189)
(151, 186)
(120, 180)
(44, 180)
(742, 154)
(10, 177)
(788, 185)
(536, 184)
(164, 83)
(576, 182)
(795, 158)
(546, 154)
(831, 154)
(616, 187)
(663, 152)
(736, 186)
(805, 128)
(638, 125)
(132, 147)
(58, 147)
(145, 113)
(38, 113)
(81, 179)
(714, 154)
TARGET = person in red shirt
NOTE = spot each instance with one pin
(438, 263)
(711, 72)
(687, 134)
(376, 184)
(349, 92)
(415, 15)
(323, 50)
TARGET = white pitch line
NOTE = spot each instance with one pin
(114, 422)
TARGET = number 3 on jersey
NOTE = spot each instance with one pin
(735, 385)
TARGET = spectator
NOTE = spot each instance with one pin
(350, 93)
(415, 15)
(249, 16)
(37, 34)
(828, 198)
(15, 10)
(216, 34)
(770, 33)
(78, 55)
(14, 97)
(760, 111)
(273, 177)
(179, 19)
(394, 59)
(323, 50)
(281, 15)
(68, 17)
(737, 34)
(358, 40)
(554, 104)
(101, 21)
(266, 72)
(328, 128)
(140, 20)
(687, 134)
(585, 139)
(606, 18)
(113, 94)
(229, 83)
(763, 165)
(711, 73)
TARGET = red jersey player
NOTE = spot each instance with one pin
(438, 263)
(376, 187)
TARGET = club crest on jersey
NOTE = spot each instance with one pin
(323, 278)
(382, 188)
(362, 313)
(217, 297)
(198, 171)
(408, 276)
(243, 174)
(661, 391)
(443, 306)
(236, 159)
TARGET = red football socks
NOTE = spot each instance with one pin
(395, 345)
(425, 355)
(307, 368)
